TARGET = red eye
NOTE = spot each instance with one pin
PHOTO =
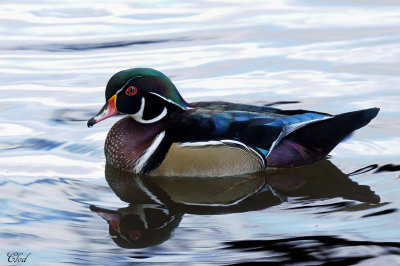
(131, 90)
(134, 235)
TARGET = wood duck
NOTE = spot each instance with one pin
(164, 135)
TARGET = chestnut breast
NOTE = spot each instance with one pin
(128, 140)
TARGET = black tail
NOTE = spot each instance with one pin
(314, 141)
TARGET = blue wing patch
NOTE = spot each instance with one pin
(297, 119)
(263, 151)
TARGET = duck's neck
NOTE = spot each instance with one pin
(129, 141)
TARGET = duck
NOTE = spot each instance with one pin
(161, 134)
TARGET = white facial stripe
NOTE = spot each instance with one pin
(143, 160)
(118, 91)
(168, 100)
(139, 115)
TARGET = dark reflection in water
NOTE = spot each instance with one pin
(32, 144)
(281, 102)
(157, 204)
(388, 168)
(140, 225)
(384, 168)
(316, 249)
(94, 46)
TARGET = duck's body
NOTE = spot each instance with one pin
(164, 135)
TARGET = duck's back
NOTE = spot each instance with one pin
(218, 138)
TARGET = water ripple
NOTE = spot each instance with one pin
(91, 46)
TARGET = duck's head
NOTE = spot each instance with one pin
(145, 94)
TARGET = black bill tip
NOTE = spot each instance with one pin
(91, 122)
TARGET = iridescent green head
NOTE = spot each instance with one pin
(143, 93)
(146, 80)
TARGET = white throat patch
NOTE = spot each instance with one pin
(139, 115)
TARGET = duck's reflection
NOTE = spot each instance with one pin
(140, 225)
(157, 204)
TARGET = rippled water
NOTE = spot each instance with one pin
(57, 196)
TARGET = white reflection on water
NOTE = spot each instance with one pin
(301, 83)
(13, 130)
(385, 53)
(325, 17)
(390, 103)
(388, 146)
(44, 165)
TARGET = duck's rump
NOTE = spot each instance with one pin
(314, 141)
